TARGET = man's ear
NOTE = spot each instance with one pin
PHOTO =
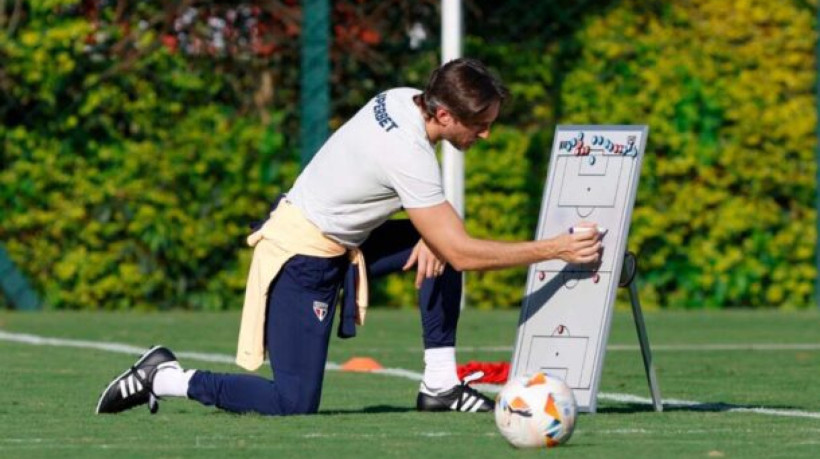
(444, 117)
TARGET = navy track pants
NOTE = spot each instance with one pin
(301, 307)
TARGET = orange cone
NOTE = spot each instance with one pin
(361, 364)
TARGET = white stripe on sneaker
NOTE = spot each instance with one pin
(465, 406)
(476, 402)
(130, 385)
(139, 377)
(477, 406)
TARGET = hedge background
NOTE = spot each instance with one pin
(138, 139)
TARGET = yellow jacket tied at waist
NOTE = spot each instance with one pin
(286, 233)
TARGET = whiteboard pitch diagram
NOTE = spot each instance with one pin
(566, 314)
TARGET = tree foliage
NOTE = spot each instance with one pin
(725, 211)
(137, 139)
(129, 172)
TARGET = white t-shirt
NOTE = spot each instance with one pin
(375, 164)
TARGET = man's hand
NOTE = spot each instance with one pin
(580, 246)
(429, 265)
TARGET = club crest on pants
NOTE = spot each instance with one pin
(320, 309)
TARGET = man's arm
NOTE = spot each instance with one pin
(444, 232)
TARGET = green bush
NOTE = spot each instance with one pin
(128, 189)
(724, 215)
(129, 172)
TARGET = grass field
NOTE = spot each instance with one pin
(721, 364)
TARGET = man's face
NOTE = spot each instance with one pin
(464, 135)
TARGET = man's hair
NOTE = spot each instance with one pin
(464, 87)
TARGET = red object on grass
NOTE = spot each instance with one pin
(494, 372)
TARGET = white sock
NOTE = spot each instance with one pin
(440, 368)
(171, 380)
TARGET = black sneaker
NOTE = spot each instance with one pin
(134, 387)
(460, 398)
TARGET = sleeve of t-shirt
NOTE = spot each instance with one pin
(416, 178)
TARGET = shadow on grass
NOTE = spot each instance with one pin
(624, 408)
(716, 407)
(377, 409)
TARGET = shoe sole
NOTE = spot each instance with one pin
(115, 380)
(446, 408)
(432, 405)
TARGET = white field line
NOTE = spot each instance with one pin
(654, 347)
(399, 372)
(675, 403)
(721, 347)
(672, 347)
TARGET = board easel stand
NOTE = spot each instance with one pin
(629, 272)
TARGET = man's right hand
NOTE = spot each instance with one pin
(580, 247)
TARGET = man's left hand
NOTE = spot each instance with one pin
(429, 265)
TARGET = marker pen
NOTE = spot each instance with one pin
(575, 229)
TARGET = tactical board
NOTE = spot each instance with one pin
(567, 309)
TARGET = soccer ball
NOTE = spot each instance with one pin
(535, 411)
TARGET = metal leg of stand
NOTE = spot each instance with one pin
(645, 351)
